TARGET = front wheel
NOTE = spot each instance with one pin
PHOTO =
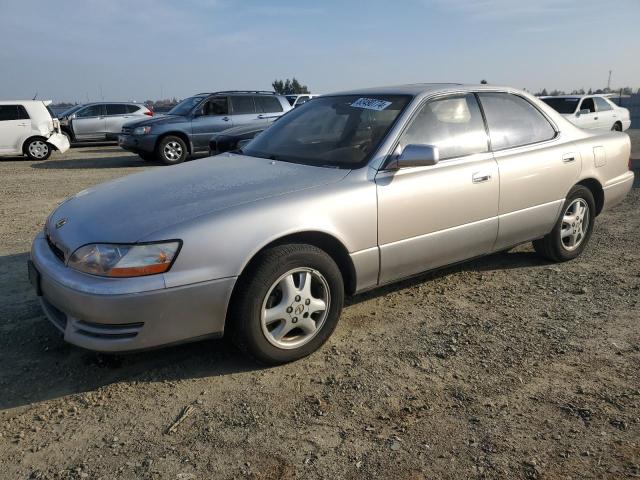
(37, 149)
(172, 150)
(573, 229)
(288, 303)
(617, 127)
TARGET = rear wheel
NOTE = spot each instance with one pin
(37, 149)
(573, 229)
(172, 150)
(287, 304)
(617, 127)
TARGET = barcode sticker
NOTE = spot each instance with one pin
(371, 103)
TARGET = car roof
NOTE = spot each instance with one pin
(575, 96)
(420, 89)
(24, 102)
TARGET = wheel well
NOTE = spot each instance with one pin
(34, 137)
(68, 131)
(183, 136)
(332, 246)
(596, 190)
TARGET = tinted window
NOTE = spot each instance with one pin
(90, 111)
(215, 106)
(242, 105)
(116, 109)
(587, 104)
(602, 104)
(132, 108)
(291, 99)
(268, 104)
(562, 105)
(513, 121)
(453, 124)
(341, 131)
(185, 106)
(13, 112)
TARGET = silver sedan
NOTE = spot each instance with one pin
(343, 194)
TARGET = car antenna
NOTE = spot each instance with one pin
(35, 96)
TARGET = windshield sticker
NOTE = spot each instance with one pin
(371, 104)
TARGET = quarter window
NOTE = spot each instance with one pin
(453, 124)
(116, 109)
(268, 104)
(602, 104)
(243, 105)
(132, 108)
(90, 111)
(513, 121)
(13, 112)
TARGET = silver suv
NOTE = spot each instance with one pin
(95, 122)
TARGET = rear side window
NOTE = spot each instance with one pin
(268, 104)
(243, 104)
(116, 109)
(90, 111)
(588, 104)
(513, 121)
(453, 124)
(132, 108)
(602, 104)
(13, 112)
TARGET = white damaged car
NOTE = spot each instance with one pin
(28, 127)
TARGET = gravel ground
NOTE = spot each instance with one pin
(504, 367)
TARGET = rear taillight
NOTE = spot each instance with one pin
(149, 113)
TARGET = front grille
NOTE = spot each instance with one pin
(56, 251)
(105, 330)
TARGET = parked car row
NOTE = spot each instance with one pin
(349, 192)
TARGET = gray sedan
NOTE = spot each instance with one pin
(343, 194)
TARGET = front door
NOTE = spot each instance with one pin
(433, 216)
(210, 117)
(15, 127)
(587, 117)
(89, 123)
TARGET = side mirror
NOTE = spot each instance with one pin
(584, 111)
(415, 155)
(71, 117)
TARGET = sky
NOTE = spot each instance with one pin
(87, 50)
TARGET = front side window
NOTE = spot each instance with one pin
(116, 109)
(589, 105)
(453, 124)
(13, 112)
(513, 121)
(243, 105)
(215, 106)
(562, 104)
(268, 104)
(90, 111)
(602, 104)
(340, 131)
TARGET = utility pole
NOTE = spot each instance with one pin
(609, 81)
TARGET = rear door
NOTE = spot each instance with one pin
(15, 127)
(89, 123)
(606, 114)
(269, 108)
(210, 117)
(116, 116)
(537, 167)
(244, 110)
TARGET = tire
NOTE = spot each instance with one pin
(303, 325)
(566, 244)
(172, 150)
(37, 149)
(617, 127)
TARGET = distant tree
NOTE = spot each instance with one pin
(543, 93)
(590, 92)
(555, 93)
(289, 87)
(483, 82)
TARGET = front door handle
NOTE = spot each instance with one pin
(595, 118)
(480, 177)
(261, 117)
(226, 119)
(569, 157)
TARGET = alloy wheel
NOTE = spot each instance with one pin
(575, 224)
(38, 149)
(172, 151)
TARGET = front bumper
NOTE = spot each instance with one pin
(138, 143)
(90, 315)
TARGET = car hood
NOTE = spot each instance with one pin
(157, 120)
(130, 208)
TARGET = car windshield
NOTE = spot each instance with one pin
(340, 131)
(185, 106)
(562, 105)
(69, 111)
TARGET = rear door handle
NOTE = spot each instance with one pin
(595, 118)
(480, 177)
(569, 157)
(226, 119)
(23, 124)
(261, 117)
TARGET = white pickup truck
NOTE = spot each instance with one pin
(27, 127)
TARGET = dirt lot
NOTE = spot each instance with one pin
(505, 367)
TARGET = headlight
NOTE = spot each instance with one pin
(112, 260)
(141, 130)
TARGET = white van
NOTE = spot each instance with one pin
(27, 127)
